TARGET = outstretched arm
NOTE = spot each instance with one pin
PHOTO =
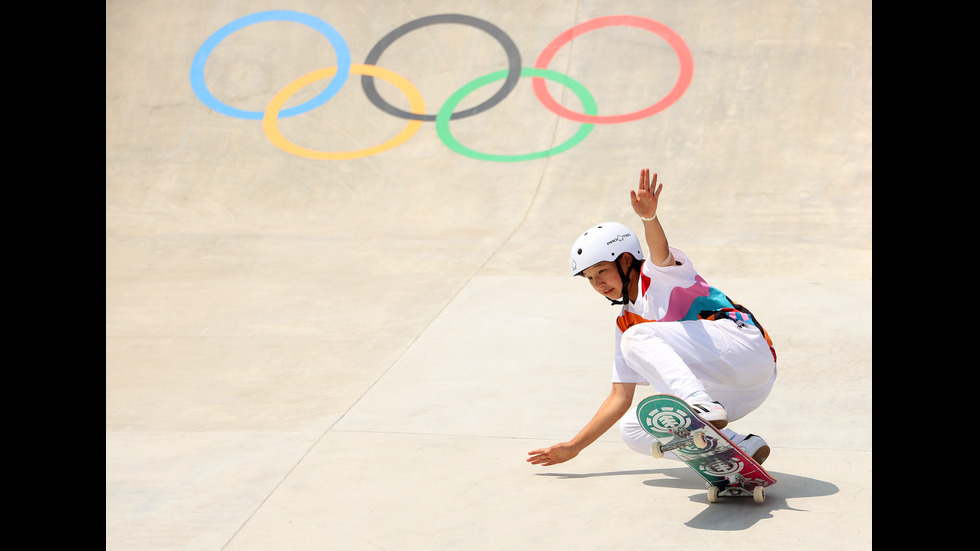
(612, 410)
(645, 200)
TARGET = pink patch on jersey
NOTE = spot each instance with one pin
(681, 299)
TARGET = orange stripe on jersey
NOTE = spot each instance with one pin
(629, 319)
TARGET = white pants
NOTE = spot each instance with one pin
(731, 362)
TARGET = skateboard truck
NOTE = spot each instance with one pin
(697, 438)
(736, 487)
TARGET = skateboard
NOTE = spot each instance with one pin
(728, 470)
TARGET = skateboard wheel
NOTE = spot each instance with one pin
(712, 494)
(655, 450)
(700, 441)
(759, 494)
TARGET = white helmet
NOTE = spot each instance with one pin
(605, 242)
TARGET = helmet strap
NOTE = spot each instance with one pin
(635, 265)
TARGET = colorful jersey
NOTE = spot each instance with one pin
(679, 293)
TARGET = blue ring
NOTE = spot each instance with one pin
(337, 41)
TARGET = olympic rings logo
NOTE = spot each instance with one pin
(339, 74)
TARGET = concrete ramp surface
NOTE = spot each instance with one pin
(338, 304)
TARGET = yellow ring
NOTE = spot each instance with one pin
(270, 122)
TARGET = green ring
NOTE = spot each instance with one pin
(445, 113)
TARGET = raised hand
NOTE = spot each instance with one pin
(645, 197)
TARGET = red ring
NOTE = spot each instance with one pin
(672, 38)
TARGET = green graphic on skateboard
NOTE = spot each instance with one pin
(728, 470)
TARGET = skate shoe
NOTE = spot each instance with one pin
(755, 447)
(712, 412)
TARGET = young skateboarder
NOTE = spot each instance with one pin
(675, 333)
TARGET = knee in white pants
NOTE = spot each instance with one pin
(635, 437)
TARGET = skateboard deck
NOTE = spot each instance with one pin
(728, 470)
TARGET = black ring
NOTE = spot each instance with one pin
(513, 60)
